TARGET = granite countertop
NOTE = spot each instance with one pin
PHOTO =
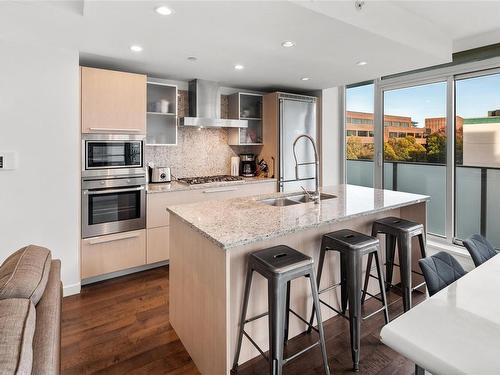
(240, 221)
(181, 186)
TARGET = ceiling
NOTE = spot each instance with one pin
(330, 36)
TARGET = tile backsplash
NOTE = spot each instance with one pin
(199, 152)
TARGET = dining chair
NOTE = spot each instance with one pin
(440, 270)
(479, 248)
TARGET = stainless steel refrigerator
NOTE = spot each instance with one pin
(297, 115)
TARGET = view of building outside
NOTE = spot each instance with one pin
(415, 145)
(415, 162)
(477, 138)
(477, 177)
(359, 103)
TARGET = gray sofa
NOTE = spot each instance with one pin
(30, 313)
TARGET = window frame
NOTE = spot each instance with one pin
(448, 74)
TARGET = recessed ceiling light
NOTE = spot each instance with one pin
(361, 63)
(239, 67)
(136, 48)
(288, 44)
(192, 58)
(305, 78)
(164, 10)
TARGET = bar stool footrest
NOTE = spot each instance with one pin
(373, 313)
(418, 286)
(292, 357)
(327, 289)
(256, 317)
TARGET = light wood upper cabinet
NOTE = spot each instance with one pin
(113, 102)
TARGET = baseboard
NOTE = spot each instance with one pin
(112, 275)
(72, 289)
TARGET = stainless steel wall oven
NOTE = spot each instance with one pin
(113, 205)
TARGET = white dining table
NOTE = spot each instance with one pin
(456, 331)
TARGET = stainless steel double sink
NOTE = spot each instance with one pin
(291, 200)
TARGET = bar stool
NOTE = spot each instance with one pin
(352, 246)
(279, 265)
(401, 231)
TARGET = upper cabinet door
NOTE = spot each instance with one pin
(113, 102)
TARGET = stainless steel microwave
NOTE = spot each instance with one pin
(112, 154)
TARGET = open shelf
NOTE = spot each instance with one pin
(246, 106)
(161, 122)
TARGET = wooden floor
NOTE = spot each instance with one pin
(122, 326)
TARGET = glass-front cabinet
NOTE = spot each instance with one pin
(246, 106)
(161, 122)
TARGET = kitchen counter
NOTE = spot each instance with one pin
(240, 221)
(181, 186)
(209, 246)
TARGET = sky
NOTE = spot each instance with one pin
(474, 98)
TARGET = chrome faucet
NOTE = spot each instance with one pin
(316, 196)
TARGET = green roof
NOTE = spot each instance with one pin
(482, 120)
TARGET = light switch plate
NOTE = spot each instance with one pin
(8, 160)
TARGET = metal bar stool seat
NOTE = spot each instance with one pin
(279, 265)
(401, 231)
(352, 246)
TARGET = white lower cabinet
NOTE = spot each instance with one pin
(113, 252)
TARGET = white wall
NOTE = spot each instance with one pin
(39, 119)
(331, 131)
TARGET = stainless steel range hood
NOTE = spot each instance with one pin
(204, 107)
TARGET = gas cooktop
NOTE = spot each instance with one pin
(208, 179)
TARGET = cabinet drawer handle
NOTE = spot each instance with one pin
(99, 240)
(115, 129)
(219, 190)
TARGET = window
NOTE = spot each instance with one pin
(477, 157)
(362, 133)
(410, 166)
(351, 133)
(359, 155)
(425, 163)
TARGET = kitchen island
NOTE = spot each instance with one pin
(210, 242)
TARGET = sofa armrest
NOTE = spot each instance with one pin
(47, 339)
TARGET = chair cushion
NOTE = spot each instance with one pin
(440, 270)
(25, 273)
(479, 248)
(17, 327)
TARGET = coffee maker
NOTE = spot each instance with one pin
(248, 166)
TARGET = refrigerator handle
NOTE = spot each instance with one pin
(280, 145)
